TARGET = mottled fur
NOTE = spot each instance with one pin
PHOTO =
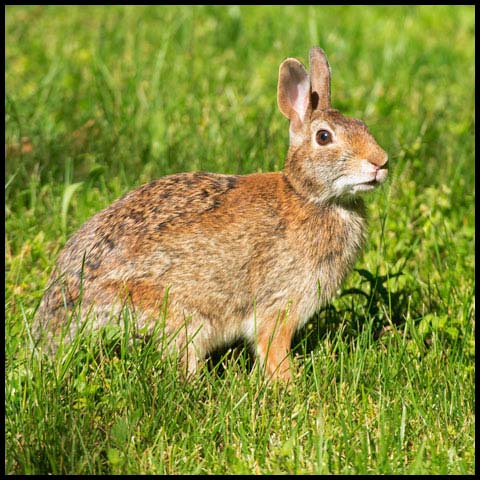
(250, 256)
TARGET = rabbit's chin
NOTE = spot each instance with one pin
(364, 187)
(350, 185)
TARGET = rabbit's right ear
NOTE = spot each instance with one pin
(293, 94)
(320, 75)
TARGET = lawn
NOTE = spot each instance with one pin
(101, 99)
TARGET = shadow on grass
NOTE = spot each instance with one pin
(374, 301)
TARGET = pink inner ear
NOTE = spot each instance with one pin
(299, 97)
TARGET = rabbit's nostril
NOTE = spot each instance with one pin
(379, 162)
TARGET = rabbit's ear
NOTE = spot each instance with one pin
(293, 94)
(320, 78)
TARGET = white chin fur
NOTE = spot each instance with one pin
(352, 184)
(362, 187)
(346, 185)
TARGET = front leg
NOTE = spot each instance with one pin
(273, 345)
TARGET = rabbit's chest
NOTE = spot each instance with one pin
(330, 254)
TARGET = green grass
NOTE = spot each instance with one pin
(102, 99)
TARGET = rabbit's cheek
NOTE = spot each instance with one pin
(323, 174)
(343, 185)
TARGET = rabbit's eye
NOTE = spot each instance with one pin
(324, 137)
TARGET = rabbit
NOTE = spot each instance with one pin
(248, 257)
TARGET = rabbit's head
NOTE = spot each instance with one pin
(330, 155)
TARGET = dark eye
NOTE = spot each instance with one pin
(324, 137)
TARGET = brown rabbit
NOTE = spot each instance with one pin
(241, 256)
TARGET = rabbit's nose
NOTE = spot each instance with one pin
(379, 160)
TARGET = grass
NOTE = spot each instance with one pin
(102, 99)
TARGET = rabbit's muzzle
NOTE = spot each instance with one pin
(378, 168)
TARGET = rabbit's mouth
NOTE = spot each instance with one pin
(380, 177)
(353, 183)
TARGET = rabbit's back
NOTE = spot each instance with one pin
(114, 245)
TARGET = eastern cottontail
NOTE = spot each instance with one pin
(241, 256)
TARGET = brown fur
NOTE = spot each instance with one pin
(250, 256)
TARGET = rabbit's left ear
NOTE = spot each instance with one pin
(320, 79)
(293, 94)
